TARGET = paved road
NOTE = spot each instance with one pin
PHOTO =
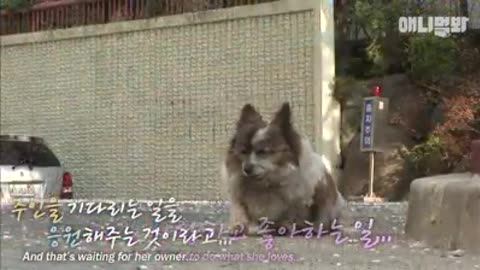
(27, 239)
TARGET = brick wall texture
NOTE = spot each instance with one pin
(147, 114)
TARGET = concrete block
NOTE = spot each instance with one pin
(475, 158)
(444, 212)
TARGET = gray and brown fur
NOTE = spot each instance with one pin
(271, 172)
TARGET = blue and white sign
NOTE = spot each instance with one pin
(367, 125)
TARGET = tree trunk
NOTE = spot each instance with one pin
(463, 4)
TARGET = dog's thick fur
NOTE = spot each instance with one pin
(286, 182)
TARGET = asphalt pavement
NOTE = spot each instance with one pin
(188, 238)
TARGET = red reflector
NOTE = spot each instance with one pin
(67, 180)
(377, 91)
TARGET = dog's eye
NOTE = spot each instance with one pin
(261, 152)
(244, 151)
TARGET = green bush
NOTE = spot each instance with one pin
(426, 159)
(431, 58)
(387, 49)
(14, 4)
(349, 89)
(379, 22)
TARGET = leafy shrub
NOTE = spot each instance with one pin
(388, 49)
(469, 53)
(462, 120)
(427, 158)
(379, 22)
(431, 58)
(14, 4)
(348, 89)
(449, 143)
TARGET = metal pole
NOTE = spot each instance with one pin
(372, 173)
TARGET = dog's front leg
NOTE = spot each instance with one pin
(294, 221)
(239, 222)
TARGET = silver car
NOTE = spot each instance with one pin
(30, 170)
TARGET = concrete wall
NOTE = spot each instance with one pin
(144, 109)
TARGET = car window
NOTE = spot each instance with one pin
(20, 152)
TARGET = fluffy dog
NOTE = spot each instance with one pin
(272, 173)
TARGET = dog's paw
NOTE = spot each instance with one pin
(237, 230)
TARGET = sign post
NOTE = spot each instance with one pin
(374, 119)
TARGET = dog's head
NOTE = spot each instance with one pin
(261, 150)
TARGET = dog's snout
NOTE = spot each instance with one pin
(248, 169)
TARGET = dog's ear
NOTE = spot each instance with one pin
(283, 118)
(249, 115)
(283, 121)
